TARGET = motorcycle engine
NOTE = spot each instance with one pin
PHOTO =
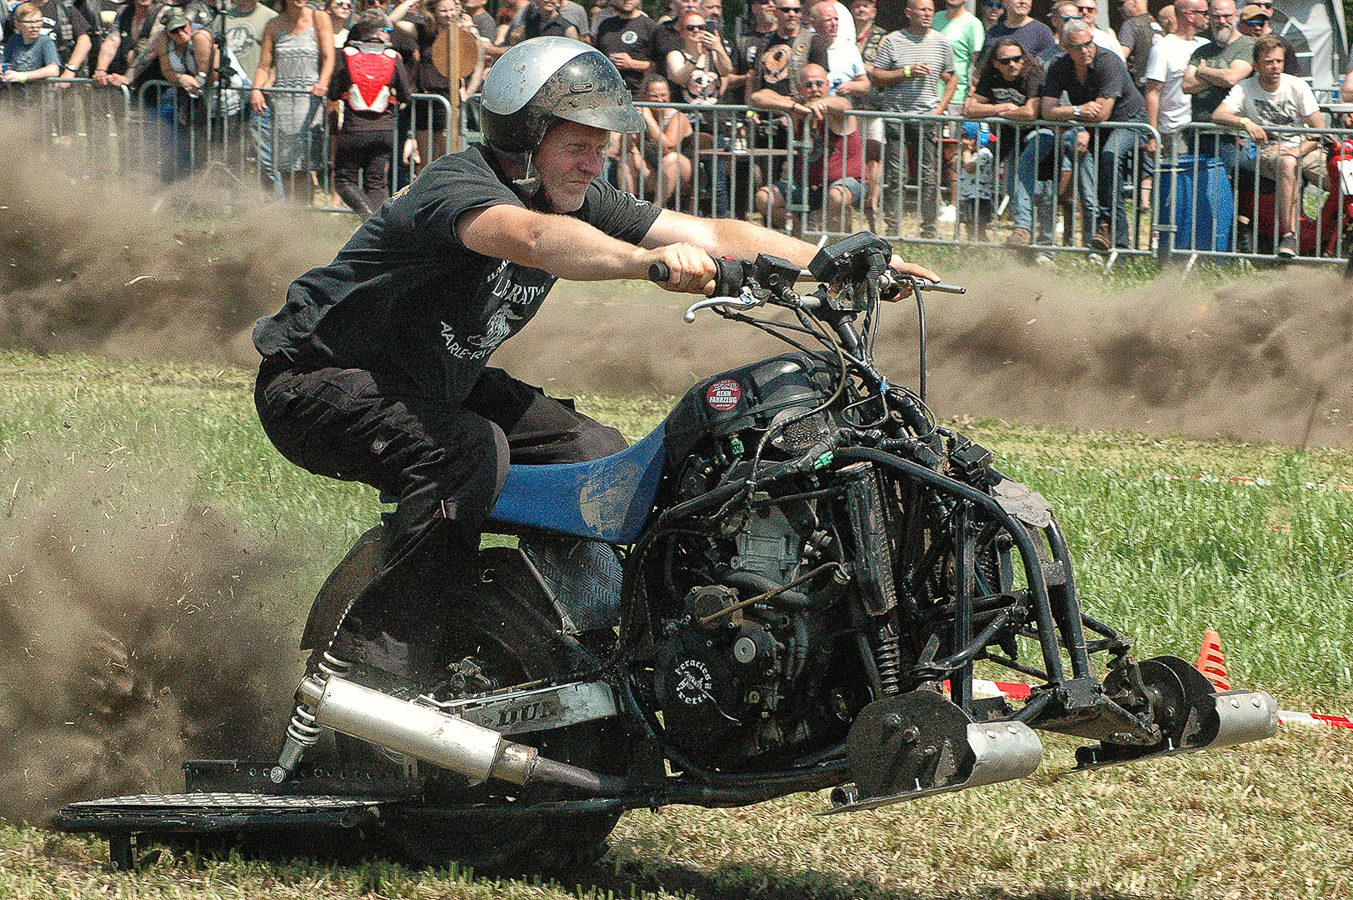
(733, 675)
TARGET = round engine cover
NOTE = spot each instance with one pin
(696, 691)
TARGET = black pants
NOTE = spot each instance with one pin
(367, 153)
(446, 464)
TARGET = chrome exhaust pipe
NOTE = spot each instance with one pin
(445, 741)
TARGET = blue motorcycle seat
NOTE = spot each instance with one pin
(607, 499)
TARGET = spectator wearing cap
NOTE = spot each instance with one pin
(187, 57)
(1137, 34)
(966, 35)
(28, 54)
(976, 180)
(914, 69)
(1213, 70)
(1256, 21)
(1032, 35)
(1168, 110)
(834, 158)
(1261, 107)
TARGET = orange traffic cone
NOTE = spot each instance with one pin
(1210, 661)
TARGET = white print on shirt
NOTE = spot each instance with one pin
(501, 286)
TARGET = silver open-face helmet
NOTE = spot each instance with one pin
(549, 78)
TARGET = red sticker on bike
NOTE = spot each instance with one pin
(724, 395)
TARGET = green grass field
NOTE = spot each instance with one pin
(1171, 537)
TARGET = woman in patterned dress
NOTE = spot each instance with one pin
(297, 53)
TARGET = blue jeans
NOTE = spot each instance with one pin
(1117, 147)
(260, 129)
(1037, 148)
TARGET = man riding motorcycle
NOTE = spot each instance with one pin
(375, 368)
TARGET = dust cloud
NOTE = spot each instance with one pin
(1270, 359)
(134, 634)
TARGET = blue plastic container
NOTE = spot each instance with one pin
(1203, 202)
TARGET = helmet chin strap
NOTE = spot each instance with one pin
(528, 185)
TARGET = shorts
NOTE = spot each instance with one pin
(801, 194)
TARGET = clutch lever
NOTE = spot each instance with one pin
(745, 300)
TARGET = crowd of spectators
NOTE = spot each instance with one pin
(1066, 102)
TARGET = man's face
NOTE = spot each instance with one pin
(1269, 66)
(447, 12)
(1061, 14)
(1221, 16)
(181, 36)
(1194, 12)
(1088, 10)
(570, 158)
(920, 14)
(625, 6)
(1255, 26)
(30, 26)
(1018, 8)
(712, 9)
(1132, 8)
(1081, 48)
(863, 12)
(825, 20)
(787, 14)
(812, 82)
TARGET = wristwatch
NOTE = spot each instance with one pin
(1076, 111)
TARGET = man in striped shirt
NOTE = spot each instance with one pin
(914, 70)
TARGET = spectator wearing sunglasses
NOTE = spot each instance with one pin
(1256, 20)
(1089, 10)
(990, 12)
(1007, 85)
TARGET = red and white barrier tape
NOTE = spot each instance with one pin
(1016, 691)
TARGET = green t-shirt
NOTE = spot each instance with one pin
(1215, 56)
(966, 35)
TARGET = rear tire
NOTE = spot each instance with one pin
(513, 641)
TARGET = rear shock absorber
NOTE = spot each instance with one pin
(888, 656)
(302, 732)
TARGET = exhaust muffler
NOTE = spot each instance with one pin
(445, 741)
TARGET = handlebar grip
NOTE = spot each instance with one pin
(659, 273)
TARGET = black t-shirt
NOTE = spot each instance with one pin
(406, 299)
(995, 89)
(65, 25)
(1108, 78)
(633, 36)
(775, 66)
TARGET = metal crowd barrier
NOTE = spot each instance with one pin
(80, 127)
(1190, 196)
(1230, 206)
(275, 150)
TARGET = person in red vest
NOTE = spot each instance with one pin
(370, 82)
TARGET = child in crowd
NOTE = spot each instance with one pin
(29, 55)
(976, 181)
